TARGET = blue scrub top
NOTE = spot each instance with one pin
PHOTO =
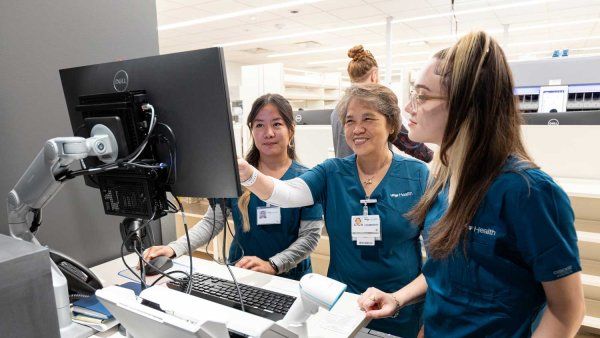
(521, 235)
(395, 260)
(265, 241)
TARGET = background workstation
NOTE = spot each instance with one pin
(300, 56)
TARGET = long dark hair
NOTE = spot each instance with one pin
(253, 156)
(483, 130)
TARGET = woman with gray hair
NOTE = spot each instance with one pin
(364, 198)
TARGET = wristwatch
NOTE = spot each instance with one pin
(274, 266)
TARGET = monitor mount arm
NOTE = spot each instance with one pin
(40, 183)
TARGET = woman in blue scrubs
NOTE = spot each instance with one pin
(267, 239)
(498, 231)
(364, 198)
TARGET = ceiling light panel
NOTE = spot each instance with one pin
(313, 33)
(238, 9)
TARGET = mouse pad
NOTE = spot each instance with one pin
(125, 273)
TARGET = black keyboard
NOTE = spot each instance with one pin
(267, 304)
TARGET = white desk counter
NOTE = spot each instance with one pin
(344, 320)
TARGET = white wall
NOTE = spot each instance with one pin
(37, 38)
(565, 151)
(234, 79)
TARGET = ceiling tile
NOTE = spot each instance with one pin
(329, 6)
(223, 6)
(356, 12)
(186, 13)
(302, 10)
(165, 5)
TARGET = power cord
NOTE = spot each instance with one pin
(144, 262)
(237, 286)
(187, 237)
(128, 160)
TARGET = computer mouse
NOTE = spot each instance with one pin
(162, 263)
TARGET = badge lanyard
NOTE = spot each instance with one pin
(268, 215)
(365, 228)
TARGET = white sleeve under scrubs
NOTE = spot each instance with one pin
(522, 234)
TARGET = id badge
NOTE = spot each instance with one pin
(366, 229)
(365, 241)
(268, 215)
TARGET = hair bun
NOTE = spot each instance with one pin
(357, 52)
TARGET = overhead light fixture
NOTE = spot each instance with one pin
(585, 48)
(348, 59)
(420, 43)
(473, 11)
(383, 23)
(398, 66)
(235, 14)
(297, 35)
(451, 37)
(316, 51)
(552, 25)
(541, 42)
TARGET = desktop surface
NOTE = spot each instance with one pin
(344, 320)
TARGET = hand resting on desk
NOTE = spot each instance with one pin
(247, 262)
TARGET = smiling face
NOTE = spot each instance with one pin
(271, 135)
(366, 129)
(428, 121)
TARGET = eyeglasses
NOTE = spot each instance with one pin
(417, 99)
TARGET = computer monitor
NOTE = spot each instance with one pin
(585, 118)
(321, 117)
(189, 93)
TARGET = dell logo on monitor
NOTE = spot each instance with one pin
(553, 122)
(121, 81)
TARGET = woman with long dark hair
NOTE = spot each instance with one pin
(499, 232)
(274, 240)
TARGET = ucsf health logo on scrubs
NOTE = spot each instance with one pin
(481, 230)
(402, 194)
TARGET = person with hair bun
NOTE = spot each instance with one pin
(499, 232)
(364, 198)
(267, 239)
(363, 69)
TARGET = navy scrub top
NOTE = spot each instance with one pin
(265, 241)
(521, 235)
(395, 260)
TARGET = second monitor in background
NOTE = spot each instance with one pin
(314, 140)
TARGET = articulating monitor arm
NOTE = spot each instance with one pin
(39, 184)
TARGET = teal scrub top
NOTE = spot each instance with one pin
(265, 241)
(521, 235)
(395, 260)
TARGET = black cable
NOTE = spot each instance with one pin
(236, 241)
(174, 208)
(147, 223)
(141, 263)
(212, 204)
(187, 236)
(119, 163)
(168, 274)
(237, 286)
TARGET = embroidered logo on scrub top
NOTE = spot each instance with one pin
(485, 231)
(563, 272)
(402, 194)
